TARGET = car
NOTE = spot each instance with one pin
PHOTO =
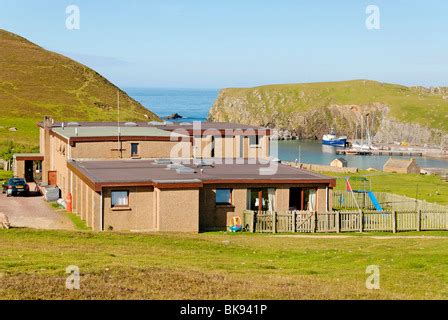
(15, 186)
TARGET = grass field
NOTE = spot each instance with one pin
(218, 266)
(430, 188)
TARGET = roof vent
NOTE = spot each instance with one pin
(204, 163)
(185, 170)
(130, 124)
(174, 166)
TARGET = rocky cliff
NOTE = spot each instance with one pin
(393, 113)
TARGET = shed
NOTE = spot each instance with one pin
(401, 166)
(339, 163)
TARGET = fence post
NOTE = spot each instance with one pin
(446, 220)
(338, 222)
(419, 220)
(315, 222)
(294, 221)
(274, 222)
(394, 221)
(361, 221)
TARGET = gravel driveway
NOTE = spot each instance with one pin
(33, 212)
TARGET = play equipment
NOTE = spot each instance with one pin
(364, 190)
(374, 200)
(236, 225)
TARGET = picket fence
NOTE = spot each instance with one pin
(345, 221)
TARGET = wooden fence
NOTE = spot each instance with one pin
(344, 200)
(345, 221)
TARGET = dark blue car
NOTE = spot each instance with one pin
(15, 187)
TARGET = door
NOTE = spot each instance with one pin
(295, 199)
(29, 171)
(52, 178)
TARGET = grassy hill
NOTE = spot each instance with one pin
(35, 82)
(334, 103)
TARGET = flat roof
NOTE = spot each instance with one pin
(148, 173)
(168, 126)
(110, 131)
(28, 156)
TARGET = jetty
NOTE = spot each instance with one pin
(393, 153)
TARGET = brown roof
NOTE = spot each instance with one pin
(148, 173)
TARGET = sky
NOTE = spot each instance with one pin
(242, 43)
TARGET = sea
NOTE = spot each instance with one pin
(194, 105)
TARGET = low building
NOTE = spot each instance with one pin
(339, 163)
(168, 177)
(401, 166)
(158, 195)
(28, 166)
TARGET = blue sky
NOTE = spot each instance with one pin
(215, 44)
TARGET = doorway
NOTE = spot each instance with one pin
(52, 178)
(302, 199)
(29, 170)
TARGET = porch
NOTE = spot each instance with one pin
(28, 166)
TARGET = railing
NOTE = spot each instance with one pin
(345, 221)
(344, 200)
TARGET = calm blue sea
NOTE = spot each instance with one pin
(194, 105)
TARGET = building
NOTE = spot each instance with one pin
(170, 177)
(401, 166)
(339, 163)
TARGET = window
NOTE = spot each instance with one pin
(134, 149)
(120, 199)
(223, 196)
(261, 199)
(302, 199)
(254, 140)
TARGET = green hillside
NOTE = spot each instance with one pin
(35, 82)
(280, 105)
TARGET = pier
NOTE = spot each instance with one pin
(396, 153)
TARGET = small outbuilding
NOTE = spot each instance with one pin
(339, 163)
(401, 166)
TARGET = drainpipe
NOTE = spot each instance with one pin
(101, 211)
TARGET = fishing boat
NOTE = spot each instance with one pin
(332, 139)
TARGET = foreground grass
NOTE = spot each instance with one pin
(78, 223)
(429, 188)
(218, 266)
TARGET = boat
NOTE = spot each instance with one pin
(332, 139)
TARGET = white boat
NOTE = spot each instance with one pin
(333, 140)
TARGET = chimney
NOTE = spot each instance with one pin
(48, 122)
